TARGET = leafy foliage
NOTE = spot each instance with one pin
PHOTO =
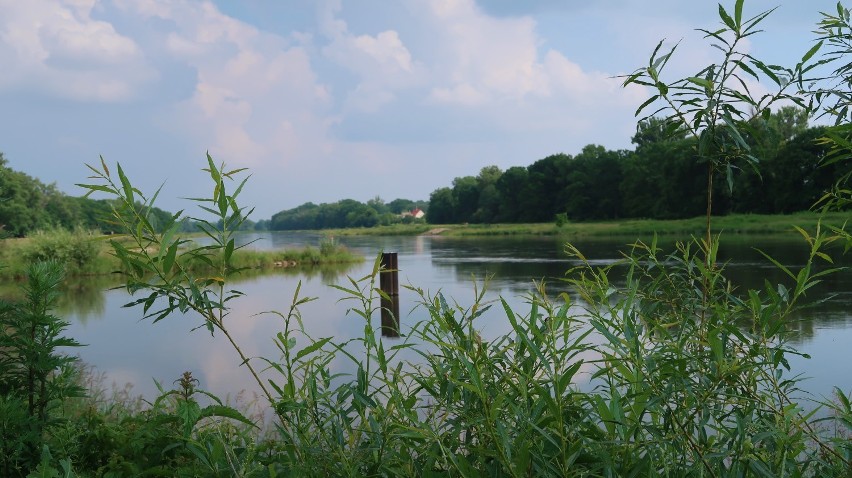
(35, 375)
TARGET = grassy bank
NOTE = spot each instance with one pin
(633, 228)
(86, 253)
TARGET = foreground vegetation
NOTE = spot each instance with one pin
(686, 384)
(689, 375)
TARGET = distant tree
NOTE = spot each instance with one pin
(511, 187)
(378, 204)
(767, 137)
(592, 186)
(489, 175)
(465, 198)
(660, 181)
(657, 130)
(442, 207)
(301, 217)
(489, 197)
(540, 198)
(794, 179)
(399, 205)
(262, 225)
(788, 122)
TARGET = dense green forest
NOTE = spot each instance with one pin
(346, 213)
(27, 205)
(663, 178)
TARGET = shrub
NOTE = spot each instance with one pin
(34, 375)
(77, 250)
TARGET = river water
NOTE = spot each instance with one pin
(129, 350)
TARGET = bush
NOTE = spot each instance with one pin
(77, 250)
(35, 377)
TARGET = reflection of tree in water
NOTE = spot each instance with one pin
(328, 273)
(80, 296)
(85, 296)
(745, 267)
(516, 276)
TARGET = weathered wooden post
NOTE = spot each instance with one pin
(389, 275)
(389, 284)
(390, 316)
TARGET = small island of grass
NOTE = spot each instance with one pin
(85, 252)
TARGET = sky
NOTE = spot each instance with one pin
(333, 99)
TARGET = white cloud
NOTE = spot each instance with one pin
(482, 57)
(383, 63)
(58, 47)
(256, 100)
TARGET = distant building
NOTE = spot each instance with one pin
(416, 213)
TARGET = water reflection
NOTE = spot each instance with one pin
(744, 266)
(84, 297)
(327, 273)
(131, 350)
(81, 297)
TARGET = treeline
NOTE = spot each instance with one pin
(27, 205)
(346, 213)
(663, 178)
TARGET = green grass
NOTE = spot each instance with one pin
(86, 254)
(732, 224)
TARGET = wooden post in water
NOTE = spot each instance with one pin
(389, 275)
(389, 284)
(390, 316)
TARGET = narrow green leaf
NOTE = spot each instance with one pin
(762, 67)
(811, 52)
(103, 164)
(125, 184)
(169, 260)
(229, 251)
(743, 66)
(738, 13)
(96, 187)
(225, 412)
(702, 82)
(311, 348)
(646, 103)
(727, 18)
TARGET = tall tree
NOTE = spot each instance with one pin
(512, 186)
(442, 207)
(592, 187)
(489, 197)
(465, 197)
(547, 177)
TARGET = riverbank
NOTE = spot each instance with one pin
(633, 228)
(88, 254)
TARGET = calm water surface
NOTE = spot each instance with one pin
(129, 350)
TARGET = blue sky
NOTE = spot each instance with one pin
(331, 99)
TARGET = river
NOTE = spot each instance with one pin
(129, 350)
